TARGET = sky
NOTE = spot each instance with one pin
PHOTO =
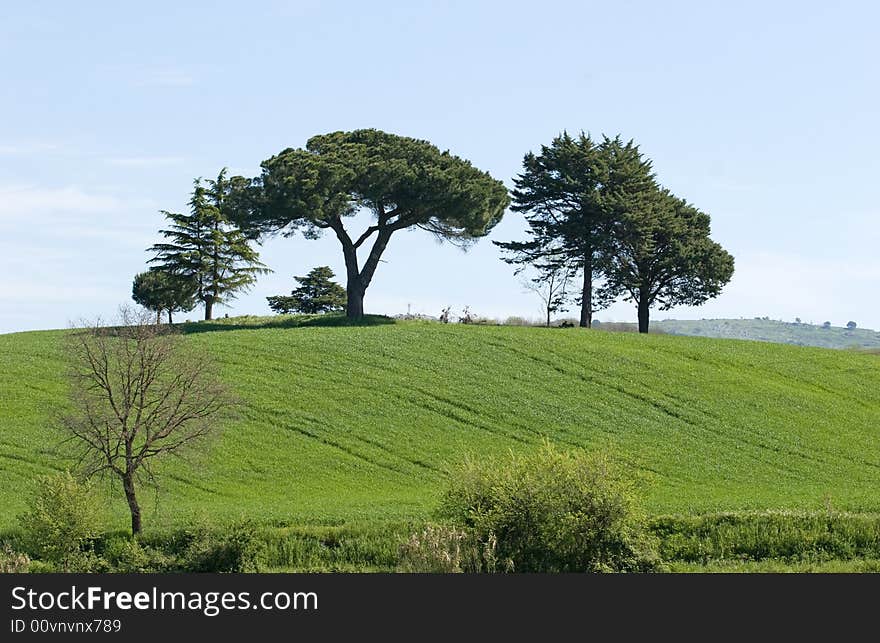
(764, 115)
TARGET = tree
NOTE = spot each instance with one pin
(160, 291)
(662, 253)
(566, 193)
(206, 249)
(851, 325)
(826, 324)
(551, 285)
(316, 294)
(138, 394)
(404, 182)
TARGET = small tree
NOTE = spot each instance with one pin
(826, 324)
(851, 325)
(205, 249)
(160, 291)
(551, 285)
(317, 293)
(138, 393)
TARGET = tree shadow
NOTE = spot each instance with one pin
(249, 322)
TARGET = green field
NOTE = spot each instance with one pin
(347, 425)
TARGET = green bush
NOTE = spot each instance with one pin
(552, 511)
(235, 549)
(127, 555)
(64, 516)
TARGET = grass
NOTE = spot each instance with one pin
(354, 427)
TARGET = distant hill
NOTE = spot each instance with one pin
(770, 330)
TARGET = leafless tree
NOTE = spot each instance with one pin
(139, 392)
(551, 285)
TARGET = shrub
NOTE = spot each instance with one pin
(127, 555)
(64, 516)
(233, 549)
(13, 562)
(552, 511)
(517, 321)
(444, 549)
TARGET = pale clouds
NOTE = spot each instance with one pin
(145, 161)
(169, 77)
(44, 290)
(23, 201)
(73, 215)
(28, 148)
(68, 251)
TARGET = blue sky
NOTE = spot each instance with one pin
(762, 114)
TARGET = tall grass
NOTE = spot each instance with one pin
(780, 535)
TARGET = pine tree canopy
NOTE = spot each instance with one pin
(403, 182)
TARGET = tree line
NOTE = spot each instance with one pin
(595, 213)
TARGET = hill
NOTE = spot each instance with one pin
(345, 424)
(771, 330)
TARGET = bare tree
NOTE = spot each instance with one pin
(138, 392)
(551, 285)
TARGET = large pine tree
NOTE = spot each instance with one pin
(565, 193)
(206, 249)
(405, 183)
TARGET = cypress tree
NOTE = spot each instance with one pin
(562, 191)
(206, 249)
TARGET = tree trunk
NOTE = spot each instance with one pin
(587, 293)
(209, 308)
(354, 288)
(158, 316)
(170, 319)
(354, 308)
(548, 316)
(644, 312)
(358, 280)
(133, 506)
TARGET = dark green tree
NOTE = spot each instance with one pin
(160, 292)
(403, 182)
(565, 193)
(206, 249)
(317, 293)
(663, 255)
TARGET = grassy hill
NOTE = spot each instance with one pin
(771, 330)
(353, 424)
